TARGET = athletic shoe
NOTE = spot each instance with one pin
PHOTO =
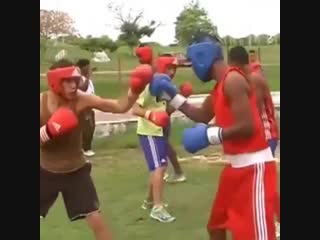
(176, 178)
(277, 230)
(89, 153)
(148, 205)
(166, 176)
(161, 214)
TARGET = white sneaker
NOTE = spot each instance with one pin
(161, 214)
(166, 176)
(89, 153)
(176, 178)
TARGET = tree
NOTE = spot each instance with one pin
(192, 19)
(53, 24)
(131, 31)
(97, 44)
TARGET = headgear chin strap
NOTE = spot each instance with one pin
(203, 55)
(144, 54)
(56, 76)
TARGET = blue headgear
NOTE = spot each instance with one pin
(203, 54)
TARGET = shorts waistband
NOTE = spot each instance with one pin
(247, 159)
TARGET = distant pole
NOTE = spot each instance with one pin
(119, 73)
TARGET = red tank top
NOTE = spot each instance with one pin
(224, 119)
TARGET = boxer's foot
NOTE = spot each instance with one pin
(89, 153)
(175, 178)
(161, 214)
(148, 205)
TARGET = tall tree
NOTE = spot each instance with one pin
(192, 19)
(53, 24)
(131, 30)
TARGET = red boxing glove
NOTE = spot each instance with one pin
(62, 121)
(186, 89)
(160, 119)
(140, 77)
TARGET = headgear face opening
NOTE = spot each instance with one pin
(56, 76)
(144, 54)
(163, 63)
(203, 55)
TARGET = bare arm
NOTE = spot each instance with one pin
(261, 89)
(121, 105)
(203, 113)
(138, 110)
(237, 90)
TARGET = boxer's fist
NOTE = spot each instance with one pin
(61, 122)
(201, 136)
(140, 77)
(162, 87)
(186, 89)
(160, 119)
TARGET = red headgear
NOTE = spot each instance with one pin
(255, 67)
(163, 62)
(144, 54)
(56, 76)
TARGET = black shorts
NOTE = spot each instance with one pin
(77, 189)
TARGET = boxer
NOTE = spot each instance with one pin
(144, 54)
(267, 113)
(63, 168)
(247, 188)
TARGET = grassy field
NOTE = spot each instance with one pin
(109, 85)
(269, 55)
(120, 175)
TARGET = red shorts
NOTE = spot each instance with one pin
(245, 202)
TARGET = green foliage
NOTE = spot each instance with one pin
(96, 44)
(131, 32)
(192, 19)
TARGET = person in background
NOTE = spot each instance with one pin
(88, 122)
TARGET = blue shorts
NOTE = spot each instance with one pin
(273, 143)
(155, 151)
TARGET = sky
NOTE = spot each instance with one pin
(237, 18)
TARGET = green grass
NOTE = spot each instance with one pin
(120, 175)
(269, 54)
(108, 85)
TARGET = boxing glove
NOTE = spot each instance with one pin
(160, 119)
(201, 136)
(140, 77)
(61, 122)
(162, 87)
(186, 89)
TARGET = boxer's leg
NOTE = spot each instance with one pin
(81, 201)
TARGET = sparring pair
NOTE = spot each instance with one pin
(247, 190)
(63, 168)
(153, 131)
(145, 55)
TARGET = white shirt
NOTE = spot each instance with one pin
(90, 89)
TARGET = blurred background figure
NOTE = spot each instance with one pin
(89, 116)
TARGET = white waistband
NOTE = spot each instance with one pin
(247, 159)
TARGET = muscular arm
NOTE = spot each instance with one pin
(138, 110)
(120, 105)
(237, 90)
(202, 113)
(261, 89)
